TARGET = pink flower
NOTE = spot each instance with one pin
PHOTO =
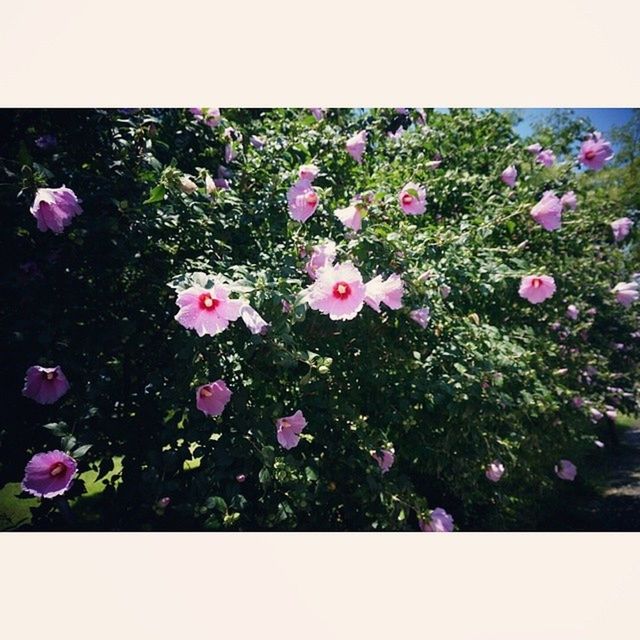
(546, 157)
(337, 292)
(595, 152)
(49, 474)
(626, 293)
(433, 164)
(356, 145)
(596, 415)
(548, 212)
(494, 471)
(308, 172)
(621, 228)
(421, 316)
(569, 200)
(253, 320)
(439, 522)
(566, 470)
(612, 414)
(573, 312)
(536, 289)
(322, 255)
(388, 292)
(187, 185)
(403, 111)
(229, 152)
(577, 402)
(288, 429)
(163, 503)
(209, 185)
(208, 115)
(241, 477)
(599, 444)
(303, 201)
(384, 458)
(509, 175)
(445, 291)
(318, 113)
(212, 398)
(534, 148)
(397, 135)
(45, 385)
(257, 143)
(350, 216)
(54, 209)
(413, 199)
(207, 311)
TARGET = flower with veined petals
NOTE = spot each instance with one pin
(308, 172)
(54, 209)
(566, 470)
(350, 216)
(337, 292)
(421, 316)
(356, 145)
(439, 522)
(49, 474)
(385, 459)
(537, 289)
(626, 293)
(388, 292)
(413, 199)
(322, 255)
(509, 176)
(595, 152)
(303, 201)
(253, 320)
(207, 311)
(212, 398)
(289, 428)
(548, 211)
(45, 385)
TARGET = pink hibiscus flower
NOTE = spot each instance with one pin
(308, 172)
(439, 522)
(421, 316)
(413, 199)
(626, 293)
(388, 292)
(509, 175)
(322, 255)
(350, 216)
(288, 429)
(54, 209)
(337, 292)
(548, 212)
(569, 200)
(621, 228)
(45, 385)
(207, 311)
(303, 201)
(537, 289)
(356, 145)
(566, 470)
(494, 471)
(208, 115)
(212, 398)
(546, 157)
(595, 152)
(49, 474)
(384, 458)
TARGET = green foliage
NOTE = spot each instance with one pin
(489, 378)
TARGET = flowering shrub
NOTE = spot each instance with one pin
(402, 333)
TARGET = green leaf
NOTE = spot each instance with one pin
(156, 195)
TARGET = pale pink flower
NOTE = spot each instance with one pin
(612, 414)
(257, 143)
(621, 228)
(548, 212)
(229, 152)
(388, 292)
(577, 402)
(208, 115)
(413, 199)
(573, 312)
(213, 397)
(356, 145)
(187, 185)
(595, 415)
(241, 477)
(439, 522)
(494, 471)
(253, 320)
(537, 289)
(395, 136)
(509, 176)
(163, 503)
(421, 316)
(350, 216)
(403, 111)
(546, 157)
(626, 293)
(288, 429)
(599, 444)
(384, 458)
(322, 255)
(303, 201)
(209, 185)
(318, 113)
(54, 209)
(595, 152)
(207, 311)
(308, 172)
(569, 200)
(566, 470)
(433, 164)
(445, 291)
(337, 292)
(534, 148)
(45, 385)
(49, 474)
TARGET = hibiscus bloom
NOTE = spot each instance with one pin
(212, 398)
(509, 175)
(350, 217)
(626, 293)
(548, 212)
(303, 201)
(439, 522)
(322, 255)
(356, 145)
(595, 152)
(534, 148)
(318, 113)
(208, 115)
(546, 157)
(337, 292)
(494, 471)
(573, 312)
(308, 172)
(569, 200)
(421, 316)
(207, 311)
(45, 385)
(536, 289)
(49, 474)
(253, 320)
(289, 428)
(388, 292)
(54, 209)
(384, 458)
(621, 228)
(413, 199)
(566, 470)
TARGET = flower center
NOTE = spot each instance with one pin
(207, 302)
(312, 199)
(48, 375)
(536, 282)
(341, 290)
(590, 155)
(205, 393)
(57, 469)
(407, 199)
(284, 424)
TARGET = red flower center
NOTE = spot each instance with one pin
(341, 290)
(536, 282)
(48, 375)
(284, 424)
(312, 199)
(407, 199)
(57, 469)
(590, 155)
(205, 393)
(207, 303)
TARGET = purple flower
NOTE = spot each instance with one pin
(46, 141)
(257, 143)
(569, 200)
(626, 293)
(439, 522)
(49, 474)
(595, 152)
(546, 157)
(573, 312)
(385, 459)
(356, 145)
(494, 471)
(621, 228)
(318, 113)
(548, 211)
(421, 316)
(54, 208)
(566, 470)
(45, 385)
(534, 148)
(253, 320)
(509, 175)
(289, 428)
(208, 115)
